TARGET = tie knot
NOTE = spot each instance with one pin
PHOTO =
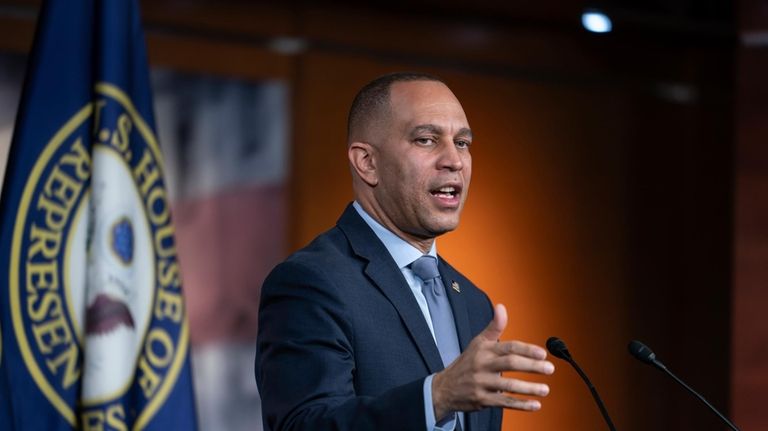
(425, 268)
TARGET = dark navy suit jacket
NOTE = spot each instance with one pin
(342, 343)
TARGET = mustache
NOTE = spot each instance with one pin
(106, 314)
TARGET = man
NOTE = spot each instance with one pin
(355, 332)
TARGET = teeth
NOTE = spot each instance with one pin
(447, 189)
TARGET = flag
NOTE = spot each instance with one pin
(94, 329)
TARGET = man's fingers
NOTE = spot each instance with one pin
(507, 402)
(522, 364)
(522, 387)
(494, 329)
(519, 348)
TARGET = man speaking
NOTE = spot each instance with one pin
(367, 328)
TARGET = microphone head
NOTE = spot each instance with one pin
(642, 352)
(557, 348)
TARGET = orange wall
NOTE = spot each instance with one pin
(528, 236)
(548, 228)
(518, 239)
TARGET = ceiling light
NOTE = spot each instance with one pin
(596, 21)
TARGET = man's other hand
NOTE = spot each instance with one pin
(474, 380)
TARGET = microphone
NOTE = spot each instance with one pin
(558, 349)
(644, 354)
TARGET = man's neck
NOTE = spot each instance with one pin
(422, 244)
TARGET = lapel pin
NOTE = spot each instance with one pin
(455, 286)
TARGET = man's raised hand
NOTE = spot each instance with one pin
(474, 381)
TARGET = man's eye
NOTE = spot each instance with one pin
(425, 141)
(463, 144)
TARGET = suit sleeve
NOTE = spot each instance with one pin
(305, 362)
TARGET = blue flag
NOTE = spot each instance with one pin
(94, 329)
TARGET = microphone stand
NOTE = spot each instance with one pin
(644, 354)
(662, 367)
(593, 390)
(558, 348)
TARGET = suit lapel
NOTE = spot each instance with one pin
(395, 288)
(385, 274)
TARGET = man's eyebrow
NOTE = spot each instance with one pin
(465, 131)
(437, 130)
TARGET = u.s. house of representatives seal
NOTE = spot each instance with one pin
(95, 287)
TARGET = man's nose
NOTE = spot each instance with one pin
(450, 158)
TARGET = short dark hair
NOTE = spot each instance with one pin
(373, 98)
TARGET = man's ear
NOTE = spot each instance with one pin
(362, 160)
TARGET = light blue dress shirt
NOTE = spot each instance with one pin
(404, 254)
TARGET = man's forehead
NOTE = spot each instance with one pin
(415, 99)
(421, 90)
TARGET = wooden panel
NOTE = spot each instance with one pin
(242, 19)
(176, 37)
(202, 55)
(18, 33)
(434, 40)
(750, 326)
(750, 330)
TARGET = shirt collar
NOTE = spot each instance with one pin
(401, 251)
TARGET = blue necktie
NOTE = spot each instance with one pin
(440, 312)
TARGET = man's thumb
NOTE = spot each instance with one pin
(494, 329)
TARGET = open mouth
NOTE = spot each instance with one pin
(105, 314)
(447, 194)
